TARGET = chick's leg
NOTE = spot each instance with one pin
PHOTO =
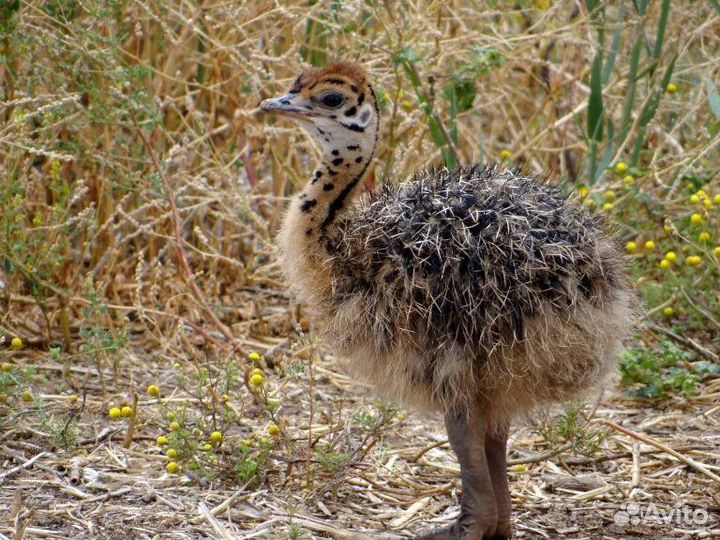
(468, 434)
(496, 454)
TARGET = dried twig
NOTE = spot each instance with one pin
(425, 450)
(652, 442)
(131, 424)
(540, 457)
(701, 310)
(24, 465)
(683, 340)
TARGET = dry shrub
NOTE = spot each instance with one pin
(84, 211)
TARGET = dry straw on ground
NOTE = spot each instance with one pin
(140, 196)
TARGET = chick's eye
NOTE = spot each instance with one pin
(332, 100)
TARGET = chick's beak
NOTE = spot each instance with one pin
(290, 104)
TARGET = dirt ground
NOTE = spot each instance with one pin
(406, 480)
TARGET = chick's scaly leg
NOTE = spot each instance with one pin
(496, 454)
(467, 433)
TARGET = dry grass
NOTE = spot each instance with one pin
(141, 192)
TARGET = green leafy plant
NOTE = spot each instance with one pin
(571, 428)
(658, 373)
(602, 67)
(382, 413)
(331, 461)
(459, 92)
(295, 532)
(14, 381)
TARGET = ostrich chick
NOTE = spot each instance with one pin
(477, 292)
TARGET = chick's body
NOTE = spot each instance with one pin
(475, 284)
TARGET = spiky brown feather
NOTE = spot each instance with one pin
(474, 284)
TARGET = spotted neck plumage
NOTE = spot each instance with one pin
(333, 186)
(347, 154)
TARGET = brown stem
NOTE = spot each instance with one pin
(180, 250)
(131, 426)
